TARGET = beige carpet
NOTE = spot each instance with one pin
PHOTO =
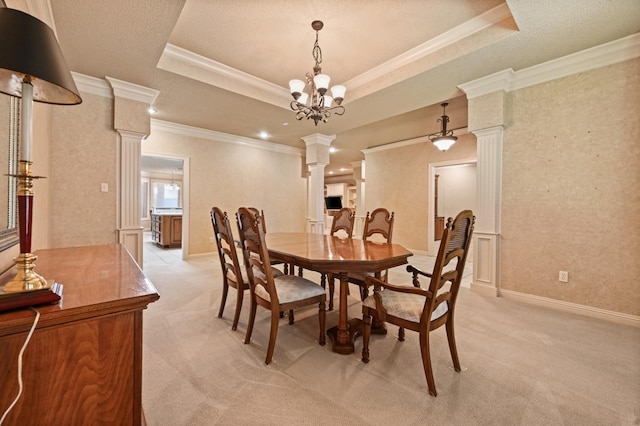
(522, 365)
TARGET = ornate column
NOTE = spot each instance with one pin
(359, 176)
(486, 236)
(317, 158)
(128, 228)
(131, 121)
(487, 111)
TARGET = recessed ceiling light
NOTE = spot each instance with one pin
(342, 169)
(264, 135)
(285, 124)
(152, 110)
(331, 172)
(332, 150)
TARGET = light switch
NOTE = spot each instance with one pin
(104, 187)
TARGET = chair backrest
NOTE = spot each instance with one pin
(454, 247)
(260, 213)
(343, 220)
(226, 246)
(254, 250)
(380, 223)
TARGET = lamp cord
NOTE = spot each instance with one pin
(24, 346)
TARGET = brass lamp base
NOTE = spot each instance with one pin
(25, 279)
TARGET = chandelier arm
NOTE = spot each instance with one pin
(337, 110)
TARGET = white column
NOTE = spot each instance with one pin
(486, 247)
(131, 120)
(359, 177)
(128, 228)
(317, 158)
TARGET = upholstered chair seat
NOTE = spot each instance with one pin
(406, 306)
(291, 288)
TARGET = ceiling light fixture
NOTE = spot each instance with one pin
(318, 106)
(173, 186)
(445, 139)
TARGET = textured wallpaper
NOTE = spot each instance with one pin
(229, 176)
(397, 179)
(83, 155)
(571, 189)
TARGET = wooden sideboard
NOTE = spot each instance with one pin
(166, 229)
(83, 365)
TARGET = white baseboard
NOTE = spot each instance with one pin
(484, 290)
(618, 317)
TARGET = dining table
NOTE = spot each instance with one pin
(329, 254)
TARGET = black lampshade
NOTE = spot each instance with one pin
(29, 47)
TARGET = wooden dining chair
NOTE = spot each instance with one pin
(285, 266)
(424, 309)
(232, 275)
(378, 226)
(276, 294)
(343, 220)
(341, 226)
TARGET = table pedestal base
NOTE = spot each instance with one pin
(343, 342)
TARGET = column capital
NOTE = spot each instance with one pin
(318, 138)
(358, 170)
(318, 148)
(131, 104)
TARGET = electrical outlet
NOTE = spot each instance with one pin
(563, 277)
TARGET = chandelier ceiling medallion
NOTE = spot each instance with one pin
(444, 139)
(317, 105)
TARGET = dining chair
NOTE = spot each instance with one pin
(424, 309)
(343, 220)
(286, 266)
(378, 226)
(276, 294)
(342, 225)
(233, 274)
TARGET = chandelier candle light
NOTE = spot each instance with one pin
(445, 139)
(31, 67)
(316, 106)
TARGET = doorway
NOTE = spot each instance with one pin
(455, 182)
(164, 189)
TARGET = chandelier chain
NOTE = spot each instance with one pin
(317, 53)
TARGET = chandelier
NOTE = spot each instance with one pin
(445, 139)
(316, 106)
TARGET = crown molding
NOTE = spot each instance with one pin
(395, 145)
(214, 71)
(88, 84)
(479, 23)
(620, 50)
(420, 139)
(197, 132)
(135, 92)
(181, 61)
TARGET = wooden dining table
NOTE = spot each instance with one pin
(339, 256)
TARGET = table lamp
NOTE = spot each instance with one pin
(31, 67)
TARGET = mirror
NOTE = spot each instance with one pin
(9, 125)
